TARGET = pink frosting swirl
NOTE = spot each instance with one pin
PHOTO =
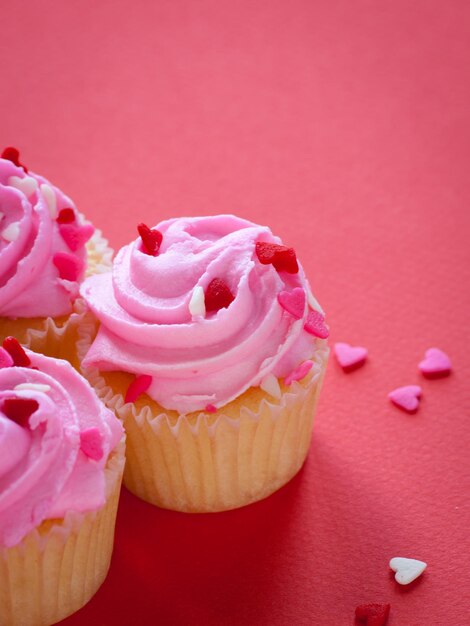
(55, 463)
(195, 361)
(31, 283)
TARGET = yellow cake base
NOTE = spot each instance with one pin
(204, 462)
(58, 567)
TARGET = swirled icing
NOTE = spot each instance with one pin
(46, 466)
(30, 238)
(147, 327)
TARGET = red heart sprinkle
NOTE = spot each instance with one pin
(281, 257)
(13, 155)
(315, 325)
(76, 236)
(151, 239)
(218, 295)
(66, 216)
(137, 387)
(373, 614)
(70, 267)
(19, 356)
(19, 409)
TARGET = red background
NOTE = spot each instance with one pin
(345, 126)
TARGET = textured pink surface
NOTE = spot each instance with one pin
(345, 126)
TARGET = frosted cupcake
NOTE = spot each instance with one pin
(61, 462)
(46, 248)
(211, 348)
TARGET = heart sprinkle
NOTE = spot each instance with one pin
(293, 302)
(19, 410)
(19, 356)
(27, 185)
(11, 232)
(406, 398)
(407, 570)
(373, 614)
(197, 306)
(5, 359)
(69, 266)
(299, 373)
(350, 357)
(66, 216)
(137, 387)
(151, 239)
(13, 155)
(218, 295)
(91, 443)
(436, 364)
(315, 325)
(210, 408)
(76, 236)
(281, 257)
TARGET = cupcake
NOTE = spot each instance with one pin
(61, 462)
(208, 343)
(46, 248)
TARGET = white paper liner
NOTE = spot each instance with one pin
(213, 462)
(59, 566)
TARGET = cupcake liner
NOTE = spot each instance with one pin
(59, 566)
(57, 337)
(213, 462)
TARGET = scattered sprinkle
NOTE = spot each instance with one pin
(315, 325)
(350, 357)
(11, 232)
(66, 216)
(33, 387)
(49, 197)
(293, 302)
(299, 373)
(91, 443)
(406, 398)
(436, 364)
(19, 409)
(407, 570)
(76, 236)
(210, 408)
(5, 359)
(151, 239)
(13, 155)
(270, 385)
(197, 306)
(373, 614)
(218, 295)
(281, 257)
(27, 185)
(69, 266)
(137, 387)
(19, 356)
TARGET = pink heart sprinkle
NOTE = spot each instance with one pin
(74, 235)
(5, 359)
(137, 387)
(299, 372)
(91, 443)
(69, 266)
(315, 325)
(210, 408)
(350, 357)
(406, 398)
(436, 364)
(293, 301)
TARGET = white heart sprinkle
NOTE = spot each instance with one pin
(270, 385)
(197, 304)
(11, 232)
(407, 570)
(51, 200)
(32, 387)
(313, 302)
(26, 185)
